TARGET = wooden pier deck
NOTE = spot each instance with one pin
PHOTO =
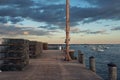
(50, 66)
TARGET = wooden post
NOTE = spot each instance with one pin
(67, 57)
(92, 64)
(79, 52)
(81, 58)
(112, 68)
(71, 53)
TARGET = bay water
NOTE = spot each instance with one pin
(109, 53)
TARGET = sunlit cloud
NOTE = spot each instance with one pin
(26, 33)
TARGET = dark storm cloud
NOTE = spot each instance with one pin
(93, 14)
(16, 12)
(54, 14)
(50, 14)
(104, 10)
(16, 3)
(13, 20)
(103, 3)
(3, 20)
(115, 29)
(108, 9)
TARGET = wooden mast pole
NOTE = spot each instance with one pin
(67, 57)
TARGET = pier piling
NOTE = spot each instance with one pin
(81, 57)
(112, 69)
(92, 64)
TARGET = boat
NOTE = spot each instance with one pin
(106, 47)
(100, 50)
(97, 48)
(93, 48)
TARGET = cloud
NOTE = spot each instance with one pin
(87, 31)
(50, 14)
(74, 30)
(17, 3)
(3, 20)
(97, 32)
(109, 9)
(39, 32)
(6, 29)
(13, 20)
(49, 27)
(26, 33)
(53, 12)
(115, 29)
(14, 30)
(88, 15)
(49, 2)
(102, 3)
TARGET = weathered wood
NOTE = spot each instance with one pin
(67, 56)
(92, 64)
(71, 53)
(81, 57)
(112, 69)
(50, 66)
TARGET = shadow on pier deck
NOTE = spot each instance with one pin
(51, 67)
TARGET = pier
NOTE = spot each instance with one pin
(51, 66)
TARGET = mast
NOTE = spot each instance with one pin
(67, 57)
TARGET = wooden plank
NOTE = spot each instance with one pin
(52, 67)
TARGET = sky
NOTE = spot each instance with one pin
(91, 21)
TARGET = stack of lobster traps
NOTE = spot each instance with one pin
(45, 46)
(14, 54)
(35, 49)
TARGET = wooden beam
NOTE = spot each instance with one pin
(67, 57)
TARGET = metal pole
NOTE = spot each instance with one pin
(67, 57)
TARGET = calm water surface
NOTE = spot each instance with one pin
(111, 54)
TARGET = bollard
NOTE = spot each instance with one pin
(92, 64)
(81, 58)
(71, 53)
(112, 68)
(79, 52)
